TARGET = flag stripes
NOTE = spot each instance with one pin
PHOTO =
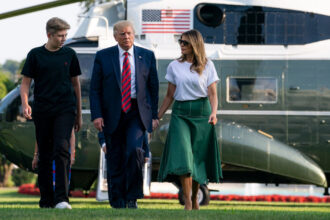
(165, 20)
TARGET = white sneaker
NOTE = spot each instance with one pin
(63, 205)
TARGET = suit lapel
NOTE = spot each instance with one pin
(116, 64)
(137, 60)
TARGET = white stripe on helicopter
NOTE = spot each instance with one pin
(266, 112)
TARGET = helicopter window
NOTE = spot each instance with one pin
(86, 62)
(249, 26)
(252, 90)
(259, 25)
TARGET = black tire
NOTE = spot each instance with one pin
(203, 195)
(206, 195)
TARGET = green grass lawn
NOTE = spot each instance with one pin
(17, 206)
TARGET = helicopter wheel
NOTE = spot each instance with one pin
(203, 195)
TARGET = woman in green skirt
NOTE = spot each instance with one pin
(191, 149)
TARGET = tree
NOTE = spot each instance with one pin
(6, 84)
(11, 66)
(21, 176)
(6, 169)
(3, 90)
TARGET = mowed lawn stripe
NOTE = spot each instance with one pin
(17, 206)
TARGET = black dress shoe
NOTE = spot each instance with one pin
(132, 204)
(46, 205)
(118, 204)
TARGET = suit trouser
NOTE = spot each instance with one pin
(53, 138)
(125, 158)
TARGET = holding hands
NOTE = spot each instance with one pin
(98, 124)
(155, 124)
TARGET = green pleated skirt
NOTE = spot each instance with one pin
(191, 145)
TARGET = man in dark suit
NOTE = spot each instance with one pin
(124, 103)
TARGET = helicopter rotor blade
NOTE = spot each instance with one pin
(36, 8)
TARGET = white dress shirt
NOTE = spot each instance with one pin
(132, 64)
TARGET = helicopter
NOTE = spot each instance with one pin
(274, 92)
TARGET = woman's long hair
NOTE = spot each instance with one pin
(199, 56)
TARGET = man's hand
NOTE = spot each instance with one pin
(98, 124)
(73, 158)
(155, 123)
(35, 162)
(78, 123)
(24, 92)
(27, 111)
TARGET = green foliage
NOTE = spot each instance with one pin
(10, 183)
(6, 84)
(94, 186)
(21, 65)
(20, 176)
(10, 85)
(11, 65)
(3, 90)
(5, 171)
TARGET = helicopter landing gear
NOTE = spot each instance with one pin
(203, 195)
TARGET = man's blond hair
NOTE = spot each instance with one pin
(121, 24)
(56, 24)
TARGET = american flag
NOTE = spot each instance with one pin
(165, 21)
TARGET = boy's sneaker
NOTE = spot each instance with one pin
(63, 205)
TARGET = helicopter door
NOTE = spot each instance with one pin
(253, 95)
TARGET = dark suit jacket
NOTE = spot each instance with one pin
(105, 91)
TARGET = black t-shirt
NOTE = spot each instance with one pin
(52, 72)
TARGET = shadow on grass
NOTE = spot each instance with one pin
(20, 203)
(13, 194)
(158, 203)
(93, 203)
(101, 213)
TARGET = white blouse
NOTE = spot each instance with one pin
(189, 84)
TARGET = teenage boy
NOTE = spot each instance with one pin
(56, 109)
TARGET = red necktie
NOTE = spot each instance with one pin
(126, 85)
